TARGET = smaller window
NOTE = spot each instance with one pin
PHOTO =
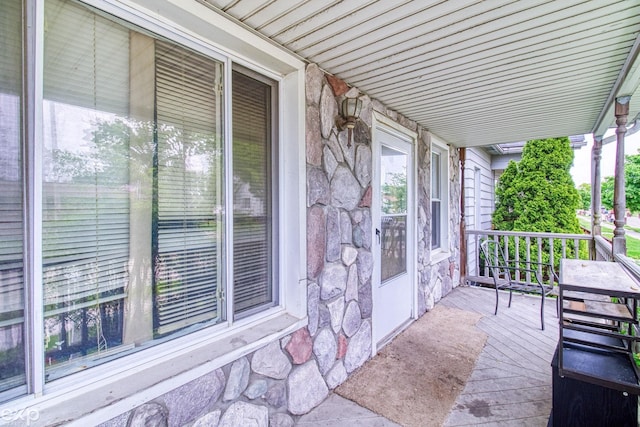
(254, 183)
(439, 196)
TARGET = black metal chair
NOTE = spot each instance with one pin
(514, 276)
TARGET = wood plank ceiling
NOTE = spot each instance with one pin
(473, 72)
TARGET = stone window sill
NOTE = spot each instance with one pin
(439, 256)
(122, 385)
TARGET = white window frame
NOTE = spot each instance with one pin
(137, 378)
(441, 252)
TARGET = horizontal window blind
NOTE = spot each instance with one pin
(11, 52)
(12, 354)
(84, 58)
(85, 242)
(252, 193)
(187, 221)
(11, 225)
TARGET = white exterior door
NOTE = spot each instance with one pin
(394, 234)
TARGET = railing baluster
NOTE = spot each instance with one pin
(495, 247)
(539, 240)
(486, 269)
(551, 251)
(576, 245)
(476, 261)
(528, 264)
(506, 247)
(564, 248)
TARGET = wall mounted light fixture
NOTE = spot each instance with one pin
(349, 114)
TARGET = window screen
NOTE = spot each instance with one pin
(253, 182)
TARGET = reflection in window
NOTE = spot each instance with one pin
(436, 211)
(12, 334)
(187, 227)
(393, 188)
(439, 191)
(394, 246)
(133, 186)
(253, 181)
(86, 203)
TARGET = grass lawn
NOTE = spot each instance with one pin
(633, 244)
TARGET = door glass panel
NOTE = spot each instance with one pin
(393, 185)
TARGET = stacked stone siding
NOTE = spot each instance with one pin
(291, 376)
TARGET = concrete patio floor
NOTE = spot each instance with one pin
(511, 382)
(336, 411)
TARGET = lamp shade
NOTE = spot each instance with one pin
(351, 108)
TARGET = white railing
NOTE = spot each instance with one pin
(603, 249)
(524, 248)
(631, 265)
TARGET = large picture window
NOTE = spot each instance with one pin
(153, 210)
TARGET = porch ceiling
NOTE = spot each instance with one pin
(473, 72)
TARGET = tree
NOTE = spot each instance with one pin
(394, 193)
(584, 190)
(632, 182)
(632, 185)
(504, 215)
(538, 193)
(606, 191)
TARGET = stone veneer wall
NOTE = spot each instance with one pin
(291, 376)
(437, 280)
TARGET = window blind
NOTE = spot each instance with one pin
(187, 225)
(11, 53)
(252, 192)
(86, 172)
(12, 355)
(85, 57)
(11, 225)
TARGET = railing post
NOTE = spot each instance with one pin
(619, 245)
(596, 194)
(463, 241)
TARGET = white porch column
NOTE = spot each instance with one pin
(619, 198)
(463, 224)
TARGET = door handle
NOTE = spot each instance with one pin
(378, 235)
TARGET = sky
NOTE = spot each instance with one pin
(581, 169)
